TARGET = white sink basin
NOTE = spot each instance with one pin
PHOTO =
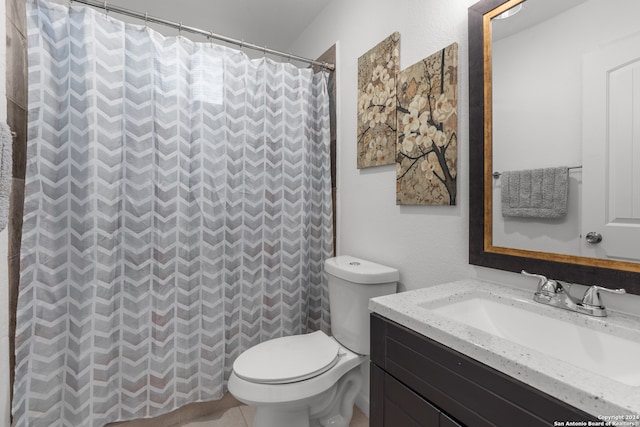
(604, 352)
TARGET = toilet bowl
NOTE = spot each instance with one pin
(294, 397)
(312, 380)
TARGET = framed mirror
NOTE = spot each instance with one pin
(551, 87)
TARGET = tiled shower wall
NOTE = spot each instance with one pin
(16, 84)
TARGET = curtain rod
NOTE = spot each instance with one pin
(209, 34)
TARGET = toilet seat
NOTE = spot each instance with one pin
(253, 393)
(288, 359)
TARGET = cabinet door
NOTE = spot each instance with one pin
(400, 406)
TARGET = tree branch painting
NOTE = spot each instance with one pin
(427, 145)
(377, 78)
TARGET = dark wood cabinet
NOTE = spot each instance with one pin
(404, 407)
(416, 381)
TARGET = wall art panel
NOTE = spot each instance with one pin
(427, 146)
(377, 79)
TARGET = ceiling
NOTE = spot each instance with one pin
(272, 23)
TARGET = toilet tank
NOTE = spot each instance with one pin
(352, 282)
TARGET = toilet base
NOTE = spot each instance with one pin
(333, 407)
(324, 400)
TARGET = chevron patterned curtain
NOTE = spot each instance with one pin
(177, 212)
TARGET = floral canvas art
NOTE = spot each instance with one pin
(377, 78)
(427, 147)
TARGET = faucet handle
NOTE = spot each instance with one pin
(545, 286)
(592, 296)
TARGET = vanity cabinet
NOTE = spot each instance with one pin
(416, 381)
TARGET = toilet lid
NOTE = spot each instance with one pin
(288, 359)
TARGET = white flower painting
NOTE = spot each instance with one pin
(427, 146)
(377, 79)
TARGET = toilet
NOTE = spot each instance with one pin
(312, 380)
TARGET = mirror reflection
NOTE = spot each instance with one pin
(565, 146)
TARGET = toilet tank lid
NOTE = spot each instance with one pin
(360, 271)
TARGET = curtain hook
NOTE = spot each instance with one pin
(289, 57)
(242, 46)
(180, 29)
(106, 9)
(264, 51)
(211, 38)
(146, 19)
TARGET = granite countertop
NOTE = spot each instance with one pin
(588, 391)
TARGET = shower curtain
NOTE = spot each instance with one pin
(177, 212)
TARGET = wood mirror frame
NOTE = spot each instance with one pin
(574, 269)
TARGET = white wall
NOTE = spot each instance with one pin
(428, 244)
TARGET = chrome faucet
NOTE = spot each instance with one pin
(556, 293)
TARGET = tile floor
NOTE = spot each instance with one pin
(242, 416)
(226, 412)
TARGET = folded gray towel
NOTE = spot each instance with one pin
(6, 169)
(535, 193)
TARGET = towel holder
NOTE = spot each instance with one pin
(497, 174)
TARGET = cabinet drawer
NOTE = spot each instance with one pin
(475, 394)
